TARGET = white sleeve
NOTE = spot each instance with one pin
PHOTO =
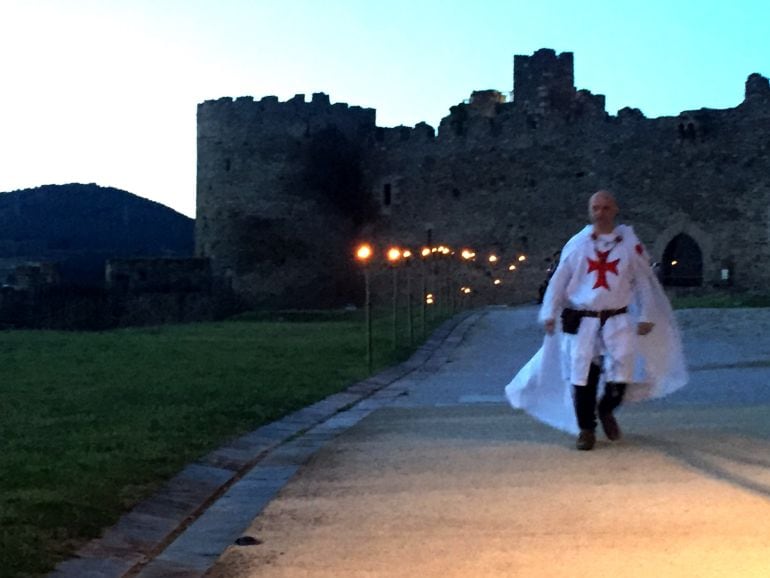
(555, 297)
(642, 284)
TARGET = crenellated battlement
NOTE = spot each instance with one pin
(403, 135)
(319, 102)
(269, 115)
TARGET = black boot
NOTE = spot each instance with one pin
(584, 397)
(611, 400)
(586, 440)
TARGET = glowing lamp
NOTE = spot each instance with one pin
(394, 254)
(364, 253)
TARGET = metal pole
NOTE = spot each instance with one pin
(448, 287)
(422, 299)
(409, 306)
(435, 288)
(368, 309)
(395, 307)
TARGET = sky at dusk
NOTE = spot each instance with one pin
(105, 91)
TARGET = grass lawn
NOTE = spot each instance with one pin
(91, 423)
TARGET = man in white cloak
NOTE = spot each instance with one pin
(617, 339)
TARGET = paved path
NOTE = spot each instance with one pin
(433, 475)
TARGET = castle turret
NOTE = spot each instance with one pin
(757, 89)
(280, 194)
(543, 81)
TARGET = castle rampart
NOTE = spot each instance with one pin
(512, 177)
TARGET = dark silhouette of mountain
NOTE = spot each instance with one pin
(80, 226)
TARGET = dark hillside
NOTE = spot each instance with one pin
(80, 226)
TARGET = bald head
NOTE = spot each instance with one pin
(602, 209)
(603, 195)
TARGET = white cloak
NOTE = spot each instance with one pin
(542, 389)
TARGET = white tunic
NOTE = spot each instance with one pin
(607, 272)
(597, 273)
(543, 386)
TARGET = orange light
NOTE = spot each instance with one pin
(425, 251)
(429, 299)
(406, 254)
(467, 254)
(394, 254)
(522, 258)
(493, 258)
(364, 252)
(497, 281)
(512, 268)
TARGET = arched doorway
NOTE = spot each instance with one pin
(682, 262)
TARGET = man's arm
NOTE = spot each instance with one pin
(643, 289)
(555, 295)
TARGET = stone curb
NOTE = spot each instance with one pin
(182, 529)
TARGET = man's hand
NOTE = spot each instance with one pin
(550, 326)
(644, 327)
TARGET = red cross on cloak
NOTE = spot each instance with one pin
(602, 267)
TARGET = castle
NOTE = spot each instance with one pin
(285, 189)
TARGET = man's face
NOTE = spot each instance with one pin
(603, 210)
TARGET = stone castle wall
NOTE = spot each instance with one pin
(511, 178)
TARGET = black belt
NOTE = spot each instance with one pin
(604, 314)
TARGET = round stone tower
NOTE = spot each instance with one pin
(278, 197)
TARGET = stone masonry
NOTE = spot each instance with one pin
(286, 189)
